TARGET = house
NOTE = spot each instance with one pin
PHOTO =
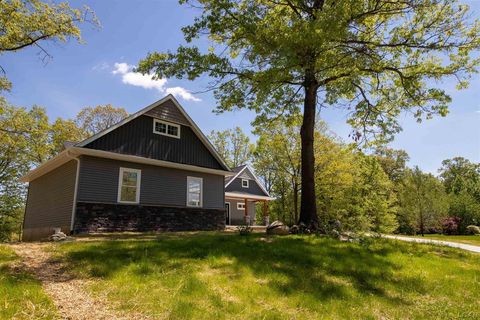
(243, 193)
(153, 171)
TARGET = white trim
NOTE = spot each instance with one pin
(248, 183)
(75, 190)
(167, 124)
(170, 97)
(241, 204)
(235, 177)
(62, 158)
(190, 178)
(137, 187)
(235, 195)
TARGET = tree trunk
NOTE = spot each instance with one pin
(308, 206)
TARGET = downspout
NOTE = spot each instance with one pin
(20, 236)
(74, 205)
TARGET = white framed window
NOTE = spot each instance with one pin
(166, 128)
(245, 183)
(240, 206)
(129, 185)
(194, 192)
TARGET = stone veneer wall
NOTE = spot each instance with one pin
(95, 217)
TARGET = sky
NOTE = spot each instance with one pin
(99, 71)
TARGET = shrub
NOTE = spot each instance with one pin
(244, 230)
(473, 230)
(450, 225)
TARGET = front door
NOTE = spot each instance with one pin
(227, 213)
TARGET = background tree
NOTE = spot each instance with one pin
(95, 119)
(279, 143)
(461, 179)
(27, 23)
(423, 203)
(376, 57)
(234, 145)
(62, 131)
(393, 162)
(460, 175)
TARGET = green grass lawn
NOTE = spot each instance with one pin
(21, 296)
(473, 240)
(225, 276)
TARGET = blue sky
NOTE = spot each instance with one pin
(98, 72)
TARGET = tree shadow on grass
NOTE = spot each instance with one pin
(322, 268)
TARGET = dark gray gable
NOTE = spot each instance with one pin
(136, 138)
(169, 112)
(253, 187)
(136, 141)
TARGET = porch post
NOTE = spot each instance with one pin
(247, 217)
(265, 213)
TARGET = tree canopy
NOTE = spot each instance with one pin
(27, 23)
(233, 145)
(374, 58)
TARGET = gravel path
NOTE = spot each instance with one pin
(467, 247)
(67, 292)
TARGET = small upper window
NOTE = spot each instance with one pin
(129, 185)
(240, 205)
(166, 128)
(245, 183)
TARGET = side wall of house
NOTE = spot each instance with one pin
(159, 186)
(49, 203)
(163, 197)
(237, 217)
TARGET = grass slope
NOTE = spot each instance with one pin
(473, 240)
(226, 276)
(21, 296)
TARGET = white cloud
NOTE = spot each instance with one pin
(182, 92)
(121, 68)
(148, 82)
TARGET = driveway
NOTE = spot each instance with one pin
(467, 247)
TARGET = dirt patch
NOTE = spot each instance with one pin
(67, 292)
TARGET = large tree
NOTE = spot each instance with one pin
(31, 23)
(377, 58)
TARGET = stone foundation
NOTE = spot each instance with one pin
(95, 217)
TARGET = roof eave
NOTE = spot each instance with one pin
(74, 152)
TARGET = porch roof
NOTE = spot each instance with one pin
(249, 196)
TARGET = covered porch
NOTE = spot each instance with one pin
(242, 208)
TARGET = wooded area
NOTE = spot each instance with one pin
(359, 191)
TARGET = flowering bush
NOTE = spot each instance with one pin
(450, 225)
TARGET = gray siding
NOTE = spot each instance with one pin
(169, 112)
(159, 186)
(137, 138)
(237, 216)
(50, 202)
